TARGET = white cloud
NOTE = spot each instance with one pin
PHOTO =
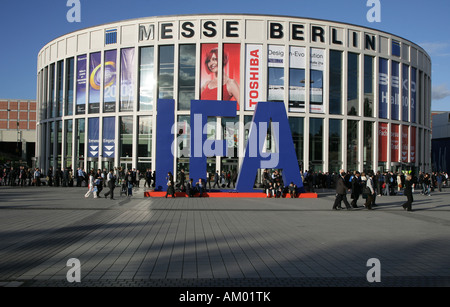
(440, 92)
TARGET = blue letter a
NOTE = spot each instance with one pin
(285, 157)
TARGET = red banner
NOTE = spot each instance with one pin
(382, 142)
(412, 157)
(395, 142)
(405, 144)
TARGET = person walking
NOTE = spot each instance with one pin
(356, 189)
(111, 182)
(369, 190)
(341, 192)
(216, 179)
(408, 193)
(170, 185)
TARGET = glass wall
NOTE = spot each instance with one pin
(353, 84)
(369, 85)
(368, 150)
(51, 96)
(144, 143)
(335, 145)
(297, 129)
(52, 144)
(126, 141)
(166, 72)
(146, 78)
(183, 143)
(68, 132)
(352, 145)
(315, 144)
(186, 77)
(70, 77)
(59, 144)
(335, 70)
(80, 140)
(60, 89)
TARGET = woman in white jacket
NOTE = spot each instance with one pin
(91, 187)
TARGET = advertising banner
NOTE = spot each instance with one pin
(405, 93)
(317, 60)
(395, 141)
(81, 84)
(412, 148)
(382, 142)
(109, 81)
(413, 95)
(95, 76)
(127, 79)
(275, 65)
(395, 90)
(93, 137)
(383, 88)
(109, 136)
(405, 144)
(297, 90)
(209, 72)
(231, 72)
(253, 76)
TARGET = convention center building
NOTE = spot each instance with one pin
(356, 98)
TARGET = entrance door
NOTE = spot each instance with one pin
(92, 165)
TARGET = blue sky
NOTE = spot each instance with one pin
(27, 25)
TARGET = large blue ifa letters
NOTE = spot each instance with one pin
(255, 158)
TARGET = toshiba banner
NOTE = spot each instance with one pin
(253, 77)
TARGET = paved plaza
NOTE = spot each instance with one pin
(219, 242)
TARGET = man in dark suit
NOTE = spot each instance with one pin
(341, 192)
(356, 189)
(408, 193)
(111, 181)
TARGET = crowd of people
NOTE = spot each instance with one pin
(365, 185)
(370, 185)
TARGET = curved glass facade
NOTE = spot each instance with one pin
(356, 98)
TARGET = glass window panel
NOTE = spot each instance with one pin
(335, 146)
(70, 76)
(186, 76)
(368, 149)
(60, 88)
(146, 78)
(352, 145)
(315, 144)
(297, 129)
(368, 85)
(353, 84)
(126, 137)
(335, 82)
(276, 84)
(68, 146)
(166, 72)
(145, 137)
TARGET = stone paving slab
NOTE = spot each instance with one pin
(153, 242)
